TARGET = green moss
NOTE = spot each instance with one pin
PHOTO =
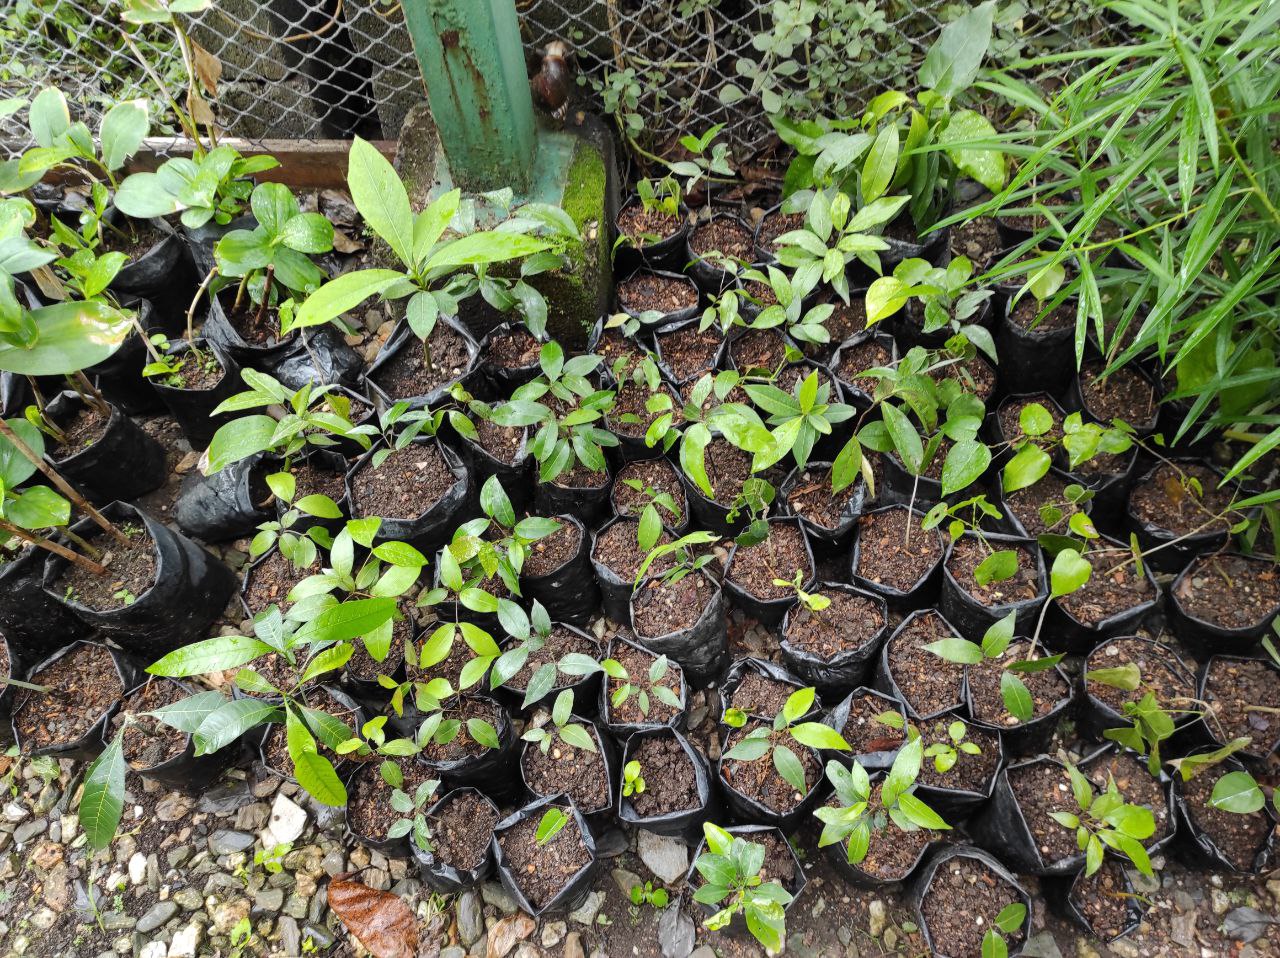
(584, 191)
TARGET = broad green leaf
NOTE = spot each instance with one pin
(341, 295)
(210, 655)
(1070, 572)
(103, 799)
(1237, 792)
(381, 199)
(985, 165)
(69, 337)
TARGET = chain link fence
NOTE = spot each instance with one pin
(291, 69)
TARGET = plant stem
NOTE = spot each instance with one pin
(266, 296)
(191, 310)
(54, 547)
(62, 485)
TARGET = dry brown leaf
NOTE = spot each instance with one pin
(49, 283)
(199, 109)
(344, 243)
(208, 68)
(380, 920)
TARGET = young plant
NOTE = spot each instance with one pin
(299, 548)
(570, 733)
(1106, 821)
(644, 688)
(211, 185)
(815, 602)
(860, 817)
(413, 809)
(730, 869)
(649, 528)
(832, 239)
(805, 326)
(945, 301)
(61, 143)
(999, 564)
(1034, 446)
(708, 160)
(1153, 720)
(531, 633)
(950, 744)
(786, 728)
(648, 895)
(550, 825)
(685, 560)
(632, 781)
(1011, 918)
(797, 419)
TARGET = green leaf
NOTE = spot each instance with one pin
(817, 735)
(1028, 466)
(1237, 792)
(228, 723)
(960, 651)
(348, 620)
(905, 438)
(998, 636)
(103, 799)
(431, 223)
(798, 703)
(15, 468)
(381, 199)
(966, 461)
(985, 165)
(1070, 572)
(1011, 917)
(39, 507)
(240, 439)
(49, 117)
(789, 767)
(953, 61)
(1017, 699)
(341, 295)
(69, 337)
(918, 813)
(997, 567)
(123, 129)
(1124, 677)
(993, 946)
(882, 160)
(577, 736)
(885, 296)
(210, 655)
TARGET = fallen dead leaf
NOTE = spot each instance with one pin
(344, 243)
(381, 921)
(504, 935)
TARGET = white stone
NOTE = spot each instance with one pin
(665, 857)
(153, 949)
(286, 825)
(137, 868)
(186, 942)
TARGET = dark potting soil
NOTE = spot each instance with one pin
(977, 239)
(463, 745)
(80, 432)
(311, 479)
(894, 551)
(559, 643)
(845, 321)
(256, 326)
(1135, 783)
(656, 474)
(276, 749)
(580, 774)
(688, 353)
(813, 499)
(1230, 591)
(362, 665)
(758, 349)
(1027, 505)
(501, 442)
(416, 370)
(131, 571)
(1238, 837)
(276, 670)
(658, 609)
(514, 348)
(669, 781)
(1235, 691)
(613, 346)
(1173, 687)
(551, 552)
(722, 235)
(1165, 502)
(1010, 414)
(81, 685)
(964, 899)
(1041, 789)
(1047, 688)
(976, 374)
(760, 294)
(728, 467)
(637, 663)
(1112, 589)
(869, 354)
(1105, 464)
(774, 225)
(649, 292)
(793, 375)
(135, 239)
(849, 622)
(892, 852)
(779, 557)
(618, 549)
(863, 729)
(407, 484)
(580, 477)
(968, 553)
(631, 416)
(461, 829)
(1125, 394)
(542, 870)
(148, 741)
(1103, 899)
(971, 773)
(198, 373)
(640, 226)
(760, 695)
(1027, 311)
(450, 668)
(369, 811)
(759, 778)
(271, 581)
(928, 684)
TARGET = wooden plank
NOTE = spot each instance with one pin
(304, 164)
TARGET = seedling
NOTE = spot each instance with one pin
(648, 895)
(531, 633)
(1106, 821)
(1034, 446)
(786, 728)
(999, 564)
(944, 294)
(1237, 791)
(412, 808)
(553, 820)
(1011, 918)
(632, 782)
(1153, 721)
(832, 238)
(642, 688)
(685, 559)
(730, 868)
(570, 733)
(649, 529)
(861, 817)
(815, 602)
(946, 750)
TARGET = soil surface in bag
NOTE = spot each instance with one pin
(541, 871)
(83, 685)
(671, 785)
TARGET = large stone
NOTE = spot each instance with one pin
(470, 918)
(665, 857)
(156, 915)
(286, 824)
(585, 913)
(186, 942)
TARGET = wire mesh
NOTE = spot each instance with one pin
(334, 68)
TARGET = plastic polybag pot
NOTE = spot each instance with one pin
(750, 833)
(123, 463)
(847, 668)
(1175, 550)
(954, 803)
(1202, 634)
(401, 847)
(1266, 738)
(931, 246)
(667, 252)
(190, 590)
(93, 740)
(601, 814)
(569, 592)
(343, 766)
(1074, 399)
(664, 321)
(707, 273)
(675, 326)
(621, 730)
(921, 593)
(402, 338)
(1096, 716)
(827, 539)
(1065, 632)
(1066, 895)
(229, 504)
(585, 688)
(516, 477)
(974, 618)
(768, 611)
(193, 408)
(119, 377)
(1202, 849)
(576, 887)
(710, 514)
(675, 824)
(874, 758)
(165, 274)
(589, 503)
(742, 668)
(303, 356)
(924, 880)
(323, 460)
(615, 591)
(852, 394)
(1033, 734)
(700, 648)
(838, 852)
(908, 325)
(489, 771)
(443, 877)
(885, 681)
(432, 527)
(749, 810)
(32, 622)
(1035, 359)
(186, 771)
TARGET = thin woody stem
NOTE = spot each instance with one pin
(63, 486)
(55, 548)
